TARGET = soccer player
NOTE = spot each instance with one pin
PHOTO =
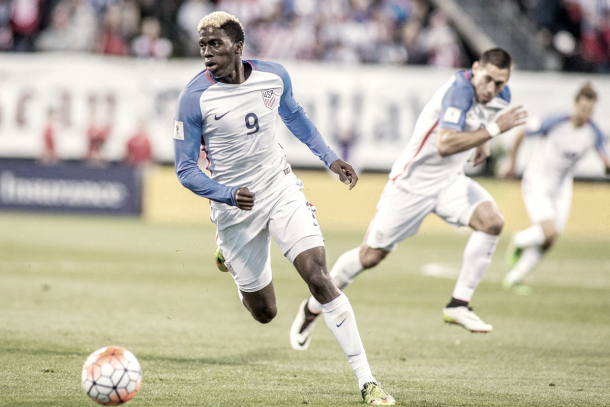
(228, 111)
(428, 177)
(547, 182)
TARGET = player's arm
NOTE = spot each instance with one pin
(606, 161)
(302, 127)
(187, 146)
(481, 153)
(457, 101)
(452, 141)
(542, 129)
(600, 146)
(512, 155)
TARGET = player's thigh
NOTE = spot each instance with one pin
(244, 241)
(563, 204)
(261, 301)
(399, 214)
(539, 202)
(457, 204)
(293, 223)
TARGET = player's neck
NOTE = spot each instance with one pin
(577, 122)
(238, 75)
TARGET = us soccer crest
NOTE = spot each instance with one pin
(269, 98)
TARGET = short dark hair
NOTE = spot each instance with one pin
(234, 31)
(497, 57)
(226, 22)
(587, 92)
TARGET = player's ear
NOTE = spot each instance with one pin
(475, 66)
(239, 47)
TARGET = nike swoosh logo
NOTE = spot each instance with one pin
(338, 325)
(220, 117)
(303, 343)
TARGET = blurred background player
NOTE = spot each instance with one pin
(548, 180)
(49, 154)
(98, 130)
(428, 177)
(139, 148)
(229, 110)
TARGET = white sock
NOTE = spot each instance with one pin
(339, 318)
(528, 260)
(532, 236)
(477, 256)
(345, 269)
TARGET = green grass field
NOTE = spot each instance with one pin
(70, 285)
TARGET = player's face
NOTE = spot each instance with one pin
(221, 55)
(583, 109)
(488, 81)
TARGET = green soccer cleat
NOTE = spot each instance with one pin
(513, 253)
(220, 261)
(517, 287)
(373, 394)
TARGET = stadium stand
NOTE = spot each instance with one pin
(570, 35)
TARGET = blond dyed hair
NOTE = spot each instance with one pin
(226, 22)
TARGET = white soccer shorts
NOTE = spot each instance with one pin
(543, 204)
(400, 213)
(244, 237)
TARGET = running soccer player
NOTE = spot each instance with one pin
(428, 177)
(228, 111)
(548, 180)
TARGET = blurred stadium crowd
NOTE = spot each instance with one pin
(350, 31)
(577, 29)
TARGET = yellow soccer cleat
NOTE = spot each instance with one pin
(220, 261)
(373, 394)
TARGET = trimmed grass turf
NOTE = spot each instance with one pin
(70, 285)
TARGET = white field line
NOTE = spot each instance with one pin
(573, 267)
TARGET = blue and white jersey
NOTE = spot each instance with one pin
(233, 127)
(559, 150)
(420, 169)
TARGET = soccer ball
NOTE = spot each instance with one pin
(111, 376)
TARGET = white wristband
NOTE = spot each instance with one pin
(493, 129)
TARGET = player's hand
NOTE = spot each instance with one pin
(513, 118)
(481, 153)
(346, 173)
(244, 199)
(508, 172)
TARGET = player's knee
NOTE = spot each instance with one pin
(371, 257)
(265, 315)
(321, 286)
(549, 241)
(494, 224)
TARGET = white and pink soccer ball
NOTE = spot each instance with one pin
(111, 376)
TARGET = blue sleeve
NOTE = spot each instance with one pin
(299, 124)
(456, 103)
(186, 152)
(505, 94)
(600, 140)
(546, 125)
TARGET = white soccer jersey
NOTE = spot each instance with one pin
(233, 125)
(558, 152)
(420, 169)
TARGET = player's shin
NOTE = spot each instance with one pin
(527, 262)
(345, 269)
(339, 318)
(477, 257)
(532, 236)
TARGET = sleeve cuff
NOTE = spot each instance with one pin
(330, 157)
